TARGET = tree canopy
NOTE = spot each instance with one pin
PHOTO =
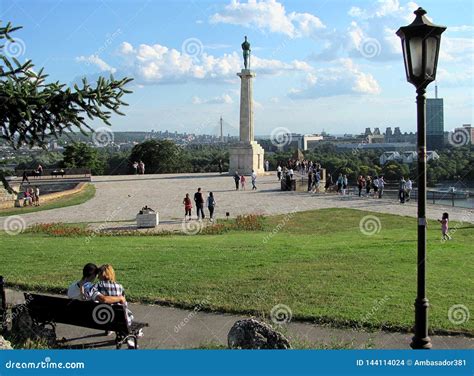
(33, 110)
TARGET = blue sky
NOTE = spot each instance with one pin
(332, 65)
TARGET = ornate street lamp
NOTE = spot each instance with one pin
(420, 42)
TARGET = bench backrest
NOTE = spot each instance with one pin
(101, 316)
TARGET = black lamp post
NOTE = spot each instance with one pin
(420, 42)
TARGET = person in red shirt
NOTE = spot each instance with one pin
(188, 205)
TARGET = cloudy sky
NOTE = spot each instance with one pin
(321, 65)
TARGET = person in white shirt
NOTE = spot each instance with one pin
(381, 186)
(279, 172)
(254, 180)
(408, 188)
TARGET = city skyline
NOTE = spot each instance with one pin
(309, 58)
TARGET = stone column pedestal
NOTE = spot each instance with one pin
(248, 155)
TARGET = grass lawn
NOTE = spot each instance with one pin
(318, 263)
(75, 199)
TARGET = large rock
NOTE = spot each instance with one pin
(4, 344)
(253, 334)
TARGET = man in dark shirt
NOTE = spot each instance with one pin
(199, 201)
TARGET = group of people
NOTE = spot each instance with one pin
(240, 181)
(106, 290)
(138, 168)
(368, 183)
(404, 189)
(199, 203)
(31, 196)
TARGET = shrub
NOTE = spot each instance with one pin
(58, 229)
(250, 222)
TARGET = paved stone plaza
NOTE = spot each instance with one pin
(119, 198)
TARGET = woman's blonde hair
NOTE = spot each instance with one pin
(107, 273)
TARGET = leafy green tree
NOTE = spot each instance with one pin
(159, 156)
(33, 111)
(81, 155)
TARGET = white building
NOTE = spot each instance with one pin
(389, 156)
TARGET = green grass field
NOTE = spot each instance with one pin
(75, 199)
(318, 263)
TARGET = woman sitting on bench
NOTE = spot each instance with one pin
(108, 286)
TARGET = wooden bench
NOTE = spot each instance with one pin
(50, 310)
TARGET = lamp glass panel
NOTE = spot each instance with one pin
(416, 55)
(405, 57)
(431, 50)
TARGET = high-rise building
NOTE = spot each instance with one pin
(434, 122)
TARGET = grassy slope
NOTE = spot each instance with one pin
(74, 199)
(319, 264)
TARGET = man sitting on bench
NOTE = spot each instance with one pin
(82, 289)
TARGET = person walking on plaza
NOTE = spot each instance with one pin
(237, 180)
(401, 190)
(141, 168)
(199, 201)
(408, 189)
(211, 204)
(188, 205)
(445, 226)
(267, 165)
(25, 178)
(135, 168)
(368, 185)
(316, 182)
(381, 186)
(242, 182)
(310, 180)
(220, 166)
(360, 184)
(254, 180)
(329, 183)
(345, 185)
(339, 182)
(279, 172)
(375, 186)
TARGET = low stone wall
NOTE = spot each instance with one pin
(10, 203)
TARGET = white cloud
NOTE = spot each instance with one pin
(344, 78)
(461, 29)
(371, 33)
(154, 64)
(221, 99)
(268, 15)
(97, 61)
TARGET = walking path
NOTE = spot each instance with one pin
(119, 198)
(173, 328)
